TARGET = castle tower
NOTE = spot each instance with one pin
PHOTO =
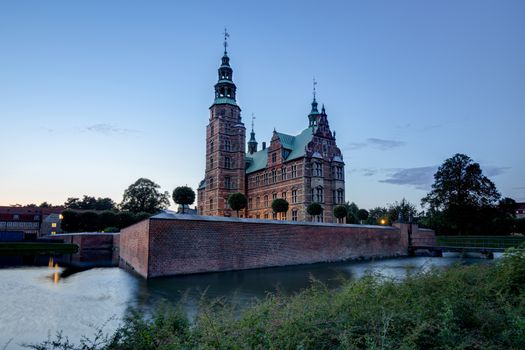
(225, 145)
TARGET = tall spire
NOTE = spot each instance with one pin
(226, 36)
(225, 89)
(312, 117)
(252, 144)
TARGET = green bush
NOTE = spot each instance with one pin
(464, 307)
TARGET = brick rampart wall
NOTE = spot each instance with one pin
(423, 237)
(134, 247)
(185, 244)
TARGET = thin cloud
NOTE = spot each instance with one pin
(492, 171)
(381, 144)
(365, 171)
(432, 127)
(107, 129)
(421, 177)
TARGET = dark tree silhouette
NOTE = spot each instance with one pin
(340, 212)
(280, 205)
(237, 201)
(144, 196)
(183, 195)
(314, 209)
(460, 193)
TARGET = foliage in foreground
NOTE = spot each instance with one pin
(464, 307)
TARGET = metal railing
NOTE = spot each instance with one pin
(501, 242)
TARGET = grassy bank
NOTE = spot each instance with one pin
(37, 247)
(463, 307)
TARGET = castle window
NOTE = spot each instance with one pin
(227, 162)
(257, 180)
(294, 196)
(227, 145)
(274, 176)
(211, 146)
(274, 157)
(266, 201)
(283, 195)
(274, 195)
(266, 215)
(212, 129)
(339, 173)
(283, 174)
(211, 182)
(227, 182)
(250, 203)
(318, 169)
(282, 216)
(340, 196)
(211, 203)
(294, 215)
(211, 162)
(257, 202)
(274, 215)
(294, 171)
(319, 198)
(266, 178)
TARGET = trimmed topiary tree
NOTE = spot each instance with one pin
(314, 209)
(183, 195)
(362, 214)
(280, 205)
(340, 212)
(237, 201)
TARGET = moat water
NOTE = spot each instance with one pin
(40, 296)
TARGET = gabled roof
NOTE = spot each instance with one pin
(295, 144)
(256, 161)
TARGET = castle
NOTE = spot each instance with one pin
(302, 169)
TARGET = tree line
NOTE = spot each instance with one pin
(462, 201)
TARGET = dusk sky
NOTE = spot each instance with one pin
(95, 94)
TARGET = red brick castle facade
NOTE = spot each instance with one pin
(302, 169)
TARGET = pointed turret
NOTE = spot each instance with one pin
(252, 144)
(314, 113)
(225, 89)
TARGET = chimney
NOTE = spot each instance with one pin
(264, 145)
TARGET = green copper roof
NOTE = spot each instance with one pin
(256, 161)
(296, 144)
(225, 100)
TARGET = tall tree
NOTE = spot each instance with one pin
(144, 196)
(460, 191)
(237, 201)
(183, 195)
(403, 210)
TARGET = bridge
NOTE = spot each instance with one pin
(484, 245)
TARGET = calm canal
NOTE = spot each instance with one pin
(39, 297)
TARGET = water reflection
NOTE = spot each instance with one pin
(32, 307)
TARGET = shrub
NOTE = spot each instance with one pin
(340, 211)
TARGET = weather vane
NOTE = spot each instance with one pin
(253, 118)
(226, 36)
(315, 83)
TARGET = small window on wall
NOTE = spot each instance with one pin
(211, 203)
(266, 201)
(274, 195)
(54, 225)
(294, 215)
(227, 162)
(274, 157)
(294, 196)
